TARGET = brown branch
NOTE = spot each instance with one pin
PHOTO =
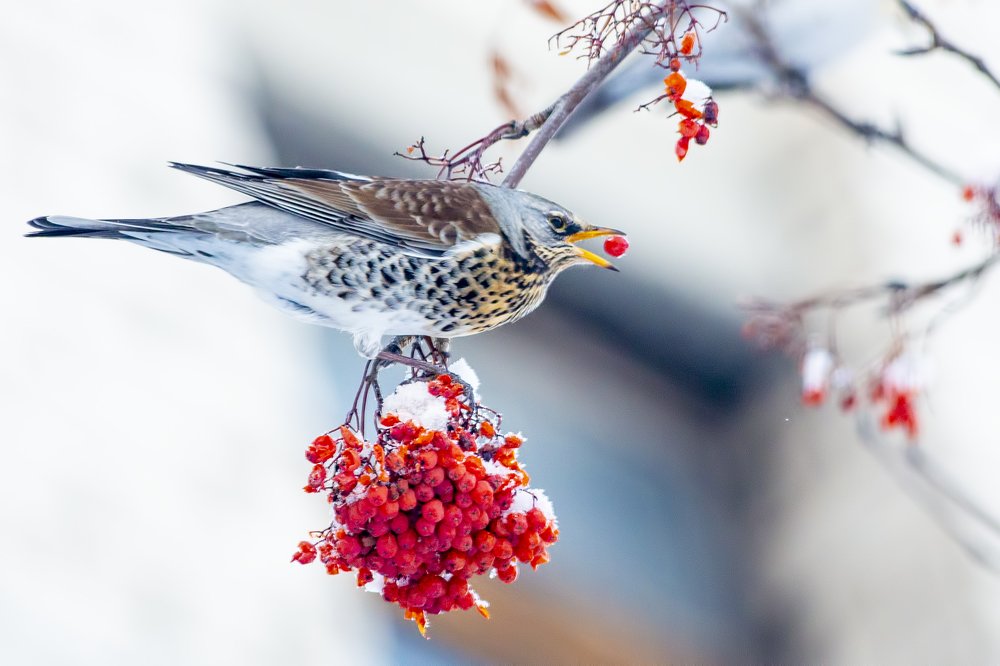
(901, 295)
(781, 325)
(796, 85)
(638, 30)
(938, 42)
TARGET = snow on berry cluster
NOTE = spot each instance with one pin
(436, 498)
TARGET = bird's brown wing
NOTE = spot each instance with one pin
(425, 216)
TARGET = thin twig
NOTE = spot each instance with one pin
(942, 497)
(900, 294)
(467, 162)
(939, 42)
(796, 85)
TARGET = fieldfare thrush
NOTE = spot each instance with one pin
(371, 256)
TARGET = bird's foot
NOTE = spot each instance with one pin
(425, 365)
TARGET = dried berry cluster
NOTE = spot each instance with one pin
(420, 511)
(694, 121)
(893, 386)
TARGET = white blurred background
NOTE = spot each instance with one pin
(158, 411)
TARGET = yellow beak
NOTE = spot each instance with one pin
(594, 232)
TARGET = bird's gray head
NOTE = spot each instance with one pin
(534, 225)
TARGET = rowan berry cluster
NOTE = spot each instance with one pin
(697, 114)
(893, 387)
(423, 507)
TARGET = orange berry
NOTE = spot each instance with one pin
(687, 43)
(675, 85)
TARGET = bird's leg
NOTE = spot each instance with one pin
(440, 349)
(353, 414)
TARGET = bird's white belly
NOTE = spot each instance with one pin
(277, 273)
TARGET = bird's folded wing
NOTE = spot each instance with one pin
(423, 216)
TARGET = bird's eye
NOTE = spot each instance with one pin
(558, 222)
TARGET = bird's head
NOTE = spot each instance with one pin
(535, 224)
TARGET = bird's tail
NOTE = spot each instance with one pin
(60, 225)
(164, 234)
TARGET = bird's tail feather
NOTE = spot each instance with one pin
(157, 234)
(61, 225)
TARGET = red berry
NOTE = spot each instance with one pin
(503, 550)
(434, 511)
(425, 493)
(321, 450)
(485, 542)
(507, 574)
(424, 527)
(463, 543)
(454, 561)
(394, 461)
(348, 546)
(316, 477)
(711, 112)
(435, 476)
(518, 523)
(407, 500)
(445, 491)
(378, 495)
(387, 546)
(345, 482)
(616, 246)
(688, 128)
(701, 138)
(305, 554)
(407, 540)
(389, 510)
(682, 148)
(466, 483)
(427, 459)
(536, 518)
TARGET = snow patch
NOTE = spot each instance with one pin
(527, 498)
(377, 584)
(412, 402)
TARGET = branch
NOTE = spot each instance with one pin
(467, 162)
(939, 42)
(940, 494)
(797, 87)
(781, 325)
(565, 105)
(901, 295)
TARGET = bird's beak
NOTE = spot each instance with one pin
(594, 232)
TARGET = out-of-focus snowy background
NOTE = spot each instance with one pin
(156, 411)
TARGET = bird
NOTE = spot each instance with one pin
(372, 256)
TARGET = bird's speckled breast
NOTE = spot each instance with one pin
(453, 295)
